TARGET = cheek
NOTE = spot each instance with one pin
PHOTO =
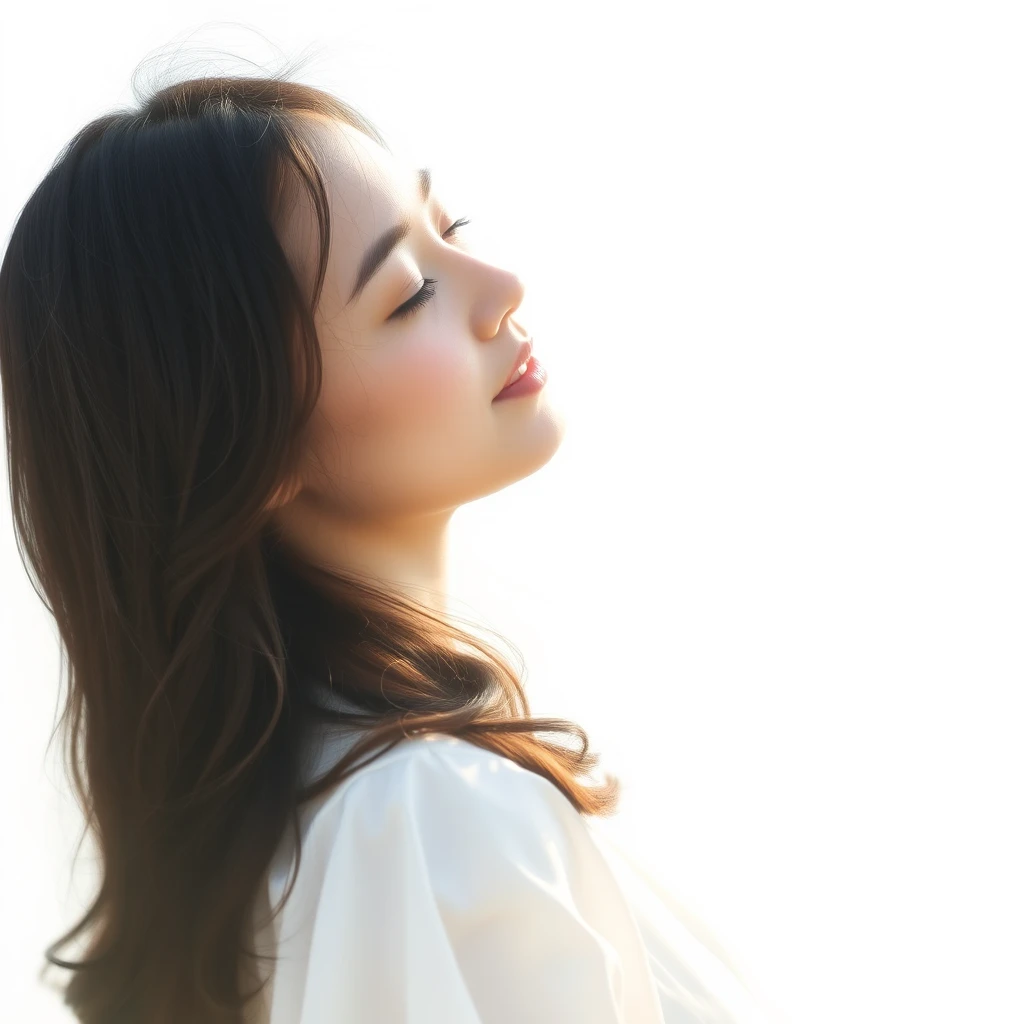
(415, 381)
(423, 383)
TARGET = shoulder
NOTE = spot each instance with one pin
(452, 762)
(444, 881)
(452, 806)
(440, 775)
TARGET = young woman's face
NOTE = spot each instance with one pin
(407, 424)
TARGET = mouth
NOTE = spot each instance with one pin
(527, 383)
(522, 359)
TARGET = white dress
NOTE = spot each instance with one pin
(445, 884)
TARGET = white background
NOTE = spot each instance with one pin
(774, 258)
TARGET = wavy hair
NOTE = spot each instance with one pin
(159, 364)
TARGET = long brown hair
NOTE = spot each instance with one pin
(159, 364)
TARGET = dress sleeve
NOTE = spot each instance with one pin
(456, 887)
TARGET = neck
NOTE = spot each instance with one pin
(408, 555)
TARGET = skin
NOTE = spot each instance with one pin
(405, 430)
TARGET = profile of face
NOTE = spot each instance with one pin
(407, 426)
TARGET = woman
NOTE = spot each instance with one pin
(249, 372)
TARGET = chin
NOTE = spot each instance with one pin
(538, 441)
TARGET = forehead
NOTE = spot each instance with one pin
(360, 173)
(368, 191)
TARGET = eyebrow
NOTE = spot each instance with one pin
(383, 247)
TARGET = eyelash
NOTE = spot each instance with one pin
(426, 293)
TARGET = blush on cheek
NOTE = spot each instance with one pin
(423, 384)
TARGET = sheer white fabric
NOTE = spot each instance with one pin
(444, 884)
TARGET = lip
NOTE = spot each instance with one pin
(525, 351)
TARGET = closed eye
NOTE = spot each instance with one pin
(427, 291)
